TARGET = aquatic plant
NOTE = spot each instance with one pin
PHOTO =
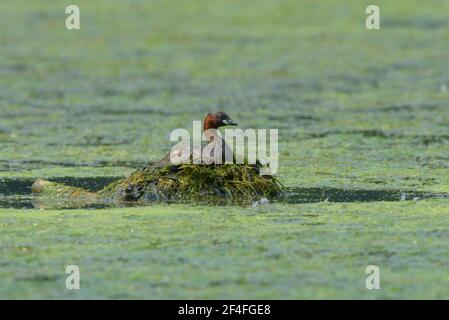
(235, 182)
(54, 189)
(238, 183)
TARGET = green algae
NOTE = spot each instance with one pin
(279, 251)
(356, 109)
(144, 86)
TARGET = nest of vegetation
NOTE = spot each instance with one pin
(235, 182)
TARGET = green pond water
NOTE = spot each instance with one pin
(363, 120)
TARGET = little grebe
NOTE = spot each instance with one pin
(211, 123)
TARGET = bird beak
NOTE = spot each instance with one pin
(230, 122)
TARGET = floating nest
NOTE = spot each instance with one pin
(237, 183)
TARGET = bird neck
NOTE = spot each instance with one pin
(210, 129)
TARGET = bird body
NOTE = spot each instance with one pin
(206, 153)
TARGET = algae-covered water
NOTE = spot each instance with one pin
(363, 118)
